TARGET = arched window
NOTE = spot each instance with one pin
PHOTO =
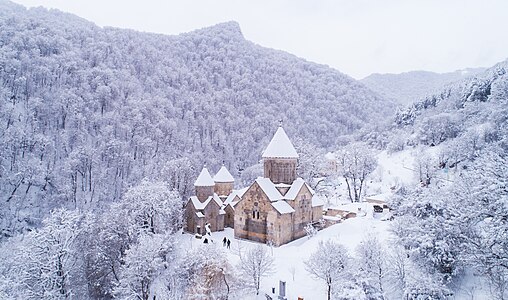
(255, 213)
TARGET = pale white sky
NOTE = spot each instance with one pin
(357, 37)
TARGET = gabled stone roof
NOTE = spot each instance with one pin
(269, 189)
(201, 205)
(283, 207)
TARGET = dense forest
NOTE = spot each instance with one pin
(89, 111)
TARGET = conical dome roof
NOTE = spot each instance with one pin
(280, 146)
(204, 178)
(223, 175)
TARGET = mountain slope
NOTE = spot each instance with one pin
(407, 88)
(471, 113)
(88, 111)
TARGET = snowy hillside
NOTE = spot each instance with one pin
(453, 222)
(471, 108)
(407, 88)
(90, 111)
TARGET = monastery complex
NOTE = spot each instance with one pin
(274, 209)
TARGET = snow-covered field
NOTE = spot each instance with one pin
(292, 255)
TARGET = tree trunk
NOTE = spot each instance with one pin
(349, 189)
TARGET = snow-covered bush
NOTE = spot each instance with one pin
(310, 230)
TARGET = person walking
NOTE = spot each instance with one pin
(229, 244)
(224, 242)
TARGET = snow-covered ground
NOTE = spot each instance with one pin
(292, 255)
(393, 170)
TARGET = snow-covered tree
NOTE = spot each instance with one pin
(208, 274)
(425, 166)
(256, 263)
(355, 163)
(143, 262)
(47, 259)
(481, 211)
(310, 230)
(152, 207)
(330, 264)
(311, 161)
(372, 263)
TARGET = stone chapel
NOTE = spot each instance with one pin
(277, 207)
(213, 202)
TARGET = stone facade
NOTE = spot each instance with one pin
(258, 220)
(198, 214)
(203, 192)
(193, 222)
(229, 217)
(303, 214)
(251, 214)
(280, 170)
(223, 188)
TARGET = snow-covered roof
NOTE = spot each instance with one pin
(200, 214)
(282, 185)
(310, 189)
(317, 201)
(351, 207)
(197, 204)
(379, 197)
(235, 194)
(201, 205)
(294, 189)
(235, 197)
(280, 146)
(240, 192)
(204, 178)
(283, 207)
(230, 198)
(330, 156)
(332, 218)
(222, 212)
(217, 199)
(269, 188)
(223, 175)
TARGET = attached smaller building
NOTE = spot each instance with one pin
(213, 203)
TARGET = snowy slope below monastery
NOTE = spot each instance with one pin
(349, 233)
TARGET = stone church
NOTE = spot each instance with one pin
(277, 207)
(274, 208)
(213, 203)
